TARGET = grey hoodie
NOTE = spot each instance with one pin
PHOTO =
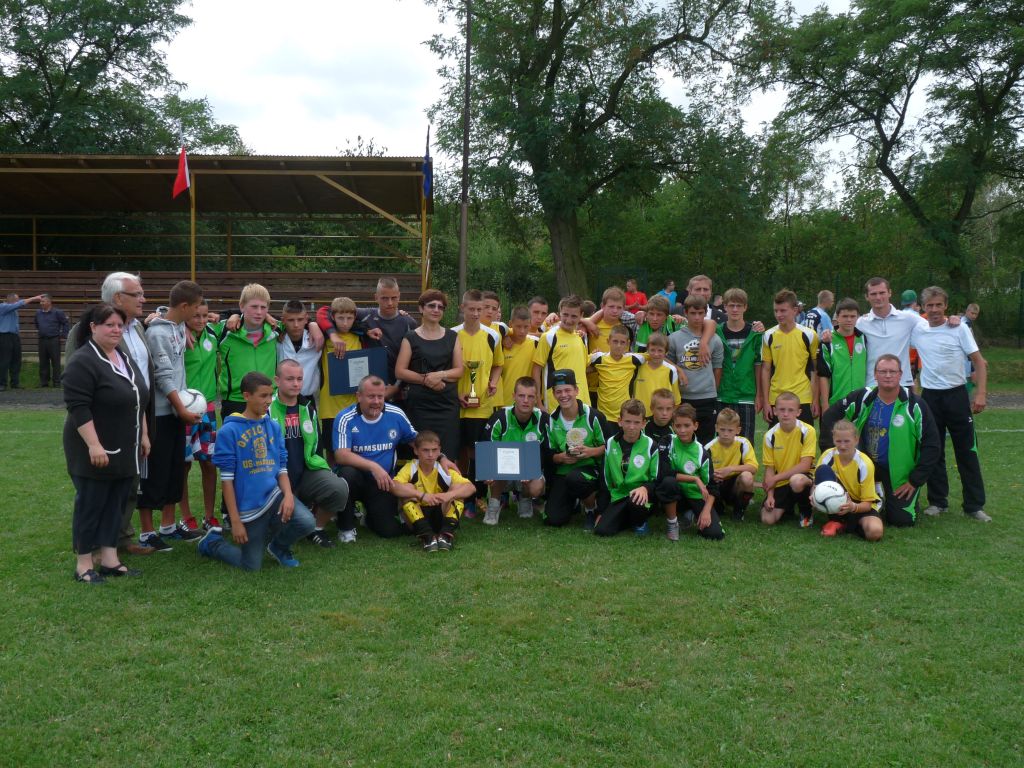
(166, 341)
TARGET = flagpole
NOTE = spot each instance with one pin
(464, 212)
(192, 235)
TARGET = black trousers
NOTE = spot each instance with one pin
(707, 412)
(49, 361)
(381, 507)
(565, 490)
(895, 512)
(951, 409)
(620, 515)
(99, 504)
(10, 359)
(669, 490)
(165, 480)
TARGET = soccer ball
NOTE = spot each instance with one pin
(829, 496)
(193, 401)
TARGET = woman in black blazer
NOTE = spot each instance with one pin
(105, 437)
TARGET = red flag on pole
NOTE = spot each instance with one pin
(182, 180)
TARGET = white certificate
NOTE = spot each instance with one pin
(508, 461)
(358, 368)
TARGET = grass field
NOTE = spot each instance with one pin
(523, 647)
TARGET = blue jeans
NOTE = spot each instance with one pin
(266, 527)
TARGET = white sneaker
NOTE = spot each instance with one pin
(979, 515)
(493, 512)
(347, 537)
(525, 506)
(672, 529)
(933, 511)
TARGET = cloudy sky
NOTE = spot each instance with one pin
(308, 77)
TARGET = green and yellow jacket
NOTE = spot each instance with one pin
(626, 472)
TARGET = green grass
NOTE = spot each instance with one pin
(1005, 369)
(523, 647)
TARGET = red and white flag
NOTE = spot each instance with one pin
(182, 181)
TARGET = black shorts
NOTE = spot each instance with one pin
(787, 500)
(471, 431)
(851, 521)
(165, 475)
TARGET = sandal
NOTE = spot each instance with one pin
(89, 577)
(119, 570)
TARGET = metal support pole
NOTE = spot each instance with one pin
(464, 210)
(192, 237)
(229, 244)
(35, 244)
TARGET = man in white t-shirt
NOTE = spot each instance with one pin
(944, 388)
(888, 329)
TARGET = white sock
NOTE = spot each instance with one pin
(167, 530)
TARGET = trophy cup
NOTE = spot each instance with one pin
(472, 400)
(574, 440)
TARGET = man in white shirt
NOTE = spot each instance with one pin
(944, 388)
(888, 329)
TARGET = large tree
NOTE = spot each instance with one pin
(931, 90)
(90, 76)
(566, 100)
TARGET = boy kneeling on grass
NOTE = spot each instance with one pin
(861, 513)
(788, 455)
(252, 457)
(735, 464)
(630, 472)
(431, 497)
(687, 476)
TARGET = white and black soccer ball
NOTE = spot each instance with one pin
(828, 497)
(193, 400)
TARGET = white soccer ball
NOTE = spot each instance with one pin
(193, 401)
(829, 496)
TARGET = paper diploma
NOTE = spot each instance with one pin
(508, 461)
(358, 367)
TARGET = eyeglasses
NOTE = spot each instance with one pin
(434, 305)
(136, 294)
(887, 373)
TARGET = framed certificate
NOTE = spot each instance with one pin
(507, 461)
(345, 374)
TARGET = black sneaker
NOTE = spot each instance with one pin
(154, 542)
(182, 532)
(321, 539)
(445, 542)
(429, 543)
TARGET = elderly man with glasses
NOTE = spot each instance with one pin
(898, 432)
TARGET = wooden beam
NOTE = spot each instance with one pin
(368, 204)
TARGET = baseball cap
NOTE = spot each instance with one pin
(563, 376)
(908, 297)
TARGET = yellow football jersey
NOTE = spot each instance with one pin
(739, 453)
(518, 363)
(615, 379)
(857, 476)
(649, 379)
(332, 405)
(559, 349)
(484, 346)
(791, 355)
(784, 450)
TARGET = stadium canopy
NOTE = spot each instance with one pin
(391, 188)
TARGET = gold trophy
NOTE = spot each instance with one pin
(472, 400)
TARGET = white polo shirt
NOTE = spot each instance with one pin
(942, 351)
(890, 335)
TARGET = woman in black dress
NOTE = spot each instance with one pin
(105, 436)
(430, 362)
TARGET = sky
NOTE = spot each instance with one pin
(314, 79)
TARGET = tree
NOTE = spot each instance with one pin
(931, 89)
(566, 100)
(89, 76)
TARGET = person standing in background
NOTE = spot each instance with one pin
(53, 326)
(10, 340)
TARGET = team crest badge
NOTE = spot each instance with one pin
(208, 345)
(897, 420)
(530, 437)
(392, 433)
(690, 467)
(307, 427)
(638, 462)
(858, 347)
